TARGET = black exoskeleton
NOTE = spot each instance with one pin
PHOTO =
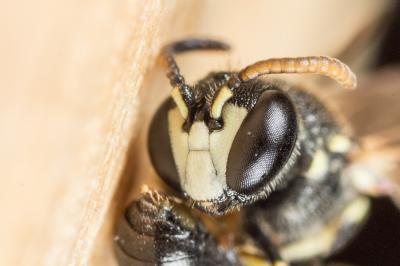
(234, 141)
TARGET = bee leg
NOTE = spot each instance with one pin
(158, 230)
(265, 243)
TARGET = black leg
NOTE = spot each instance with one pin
(264, 243)
(156, 230)
(168, 52)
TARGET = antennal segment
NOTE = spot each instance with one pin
(168, 55)
(323, 65)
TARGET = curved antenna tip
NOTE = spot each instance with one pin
(323, 65)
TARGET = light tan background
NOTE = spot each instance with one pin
(79, 82)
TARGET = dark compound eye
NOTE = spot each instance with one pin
(160, 146)
(263, 143)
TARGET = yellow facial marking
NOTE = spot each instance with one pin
(180, 103)
(224, 95)
(179, 140)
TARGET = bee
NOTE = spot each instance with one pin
(270, 152)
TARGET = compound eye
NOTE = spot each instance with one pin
(159, 145)
(263, 143)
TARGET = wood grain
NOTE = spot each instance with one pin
(70, 103)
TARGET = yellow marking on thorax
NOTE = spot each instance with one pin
(339, 143)
(250, 260)
(321, 243)
(319, 166)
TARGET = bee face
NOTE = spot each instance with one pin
(230, 139)
(227, 148)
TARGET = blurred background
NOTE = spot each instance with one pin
(79, 83)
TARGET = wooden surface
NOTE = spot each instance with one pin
(68, 109)
(79, 84)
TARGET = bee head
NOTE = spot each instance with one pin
(225, 142)
(227, 147)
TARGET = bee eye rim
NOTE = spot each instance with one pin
(159, 145)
